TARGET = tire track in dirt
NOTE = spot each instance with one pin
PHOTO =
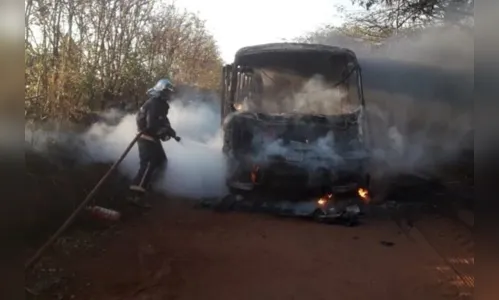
(454, 244)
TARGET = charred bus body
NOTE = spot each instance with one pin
(294, 122)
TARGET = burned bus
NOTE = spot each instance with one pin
(294, 122)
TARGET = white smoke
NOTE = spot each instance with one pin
(317, 97)
(309, 155)
(419, 96)
(284, 92)
(196, 166)
(291, 95)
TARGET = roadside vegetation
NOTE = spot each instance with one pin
(376, 21)
(83, 56)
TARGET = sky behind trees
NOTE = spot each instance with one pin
(236, 24)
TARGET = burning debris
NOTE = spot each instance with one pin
(324, 199)
(294, 122)
(364, 195)
(298, 118)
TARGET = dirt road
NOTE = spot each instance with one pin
(177, 252)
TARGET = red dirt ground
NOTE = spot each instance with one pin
(177, 252)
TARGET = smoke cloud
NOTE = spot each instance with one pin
(419, 98)
(425, 103)
(312, 155)
(316, 97)
(284, 92)
(308, 123)
(196, 167)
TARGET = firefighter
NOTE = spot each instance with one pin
(152, 122)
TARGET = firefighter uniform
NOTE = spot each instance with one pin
(152, 122)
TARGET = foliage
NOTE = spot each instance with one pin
(84, 55)
(379, 20)
(384, 18)
(430, 9)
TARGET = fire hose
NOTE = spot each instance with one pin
(82, 205)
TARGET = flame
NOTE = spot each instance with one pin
(238, 106)
(254, 174)
(364, 194)
(323, 200)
